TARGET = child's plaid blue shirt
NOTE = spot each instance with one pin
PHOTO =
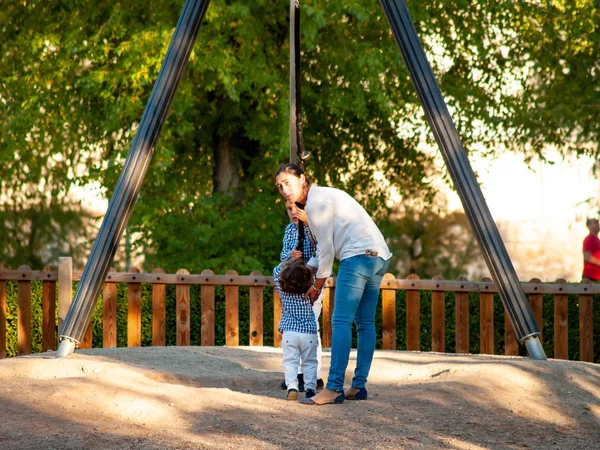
(296, 311)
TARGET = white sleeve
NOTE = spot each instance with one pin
(320, 220)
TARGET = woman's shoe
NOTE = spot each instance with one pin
(356, 394)
(325, 397)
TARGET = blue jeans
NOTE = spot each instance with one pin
(356, 296)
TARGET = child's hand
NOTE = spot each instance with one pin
(301, 215)
(296, 254)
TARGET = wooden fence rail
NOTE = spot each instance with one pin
(257, 283)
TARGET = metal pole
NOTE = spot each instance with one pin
(136, 165)
(297, 153)
(294, 51)
(455, 156)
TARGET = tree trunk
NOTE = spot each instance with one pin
(228, 167)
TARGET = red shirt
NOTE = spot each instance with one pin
(591, 244)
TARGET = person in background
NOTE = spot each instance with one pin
(591, 251)
(344, 231)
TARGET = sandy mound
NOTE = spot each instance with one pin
(218, 397)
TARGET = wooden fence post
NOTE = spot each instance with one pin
(134, 311)
(462, 320)
(48, 312)
(486, 320)
(536, 303)
(109, 320)
(65, 288)
(511, 345)
(413, 317)
(232, 313)
(159, 311)
(561, 332)
(24, 313)
(327, 313)
(182, 292)
(388, 313)
(256, 312)
(438, 318)
(207, 312)
(276, 318)
(3, 315)
(586, 327)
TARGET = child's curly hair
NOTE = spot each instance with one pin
(296, 277)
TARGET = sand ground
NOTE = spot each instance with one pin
(222, 398)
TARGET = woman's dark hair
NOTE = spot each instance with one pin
(293, 169)
(296, 277)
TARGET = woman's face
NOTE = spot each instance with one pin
(291, 187)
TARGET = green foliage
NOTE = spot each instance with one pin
(547, 337)
(12, 319)
(76, 75)
(427, 242)
(30, 232)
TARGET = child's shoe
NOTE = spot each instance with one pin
(300, 382)
(292, 395)
(283, 386)
(320, 384)
(309, 393)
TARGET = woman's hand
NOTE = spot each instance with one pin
(312, 295)
(314, 291)
(301, 215)
(296, 254)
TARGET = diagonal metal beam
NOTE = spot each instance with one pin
(134, 171)
(455, 156)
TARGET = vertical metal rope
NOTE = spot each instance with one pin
(294, 44)
(298, 155)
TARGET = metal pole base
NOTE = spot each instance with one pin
(534, 348)
(65, 348)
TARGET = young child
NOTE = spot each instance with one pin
(290, 241)
(298, 326)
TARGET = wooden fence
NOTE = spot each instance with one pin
(257, 283)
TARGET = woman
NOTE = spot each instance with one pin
(345, 231)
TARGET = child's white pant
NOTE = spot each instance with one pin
(300, 348)
(317, 307)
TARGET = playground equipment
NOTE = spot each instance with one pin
(438, 117)
(297, 153)
(130, 182)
